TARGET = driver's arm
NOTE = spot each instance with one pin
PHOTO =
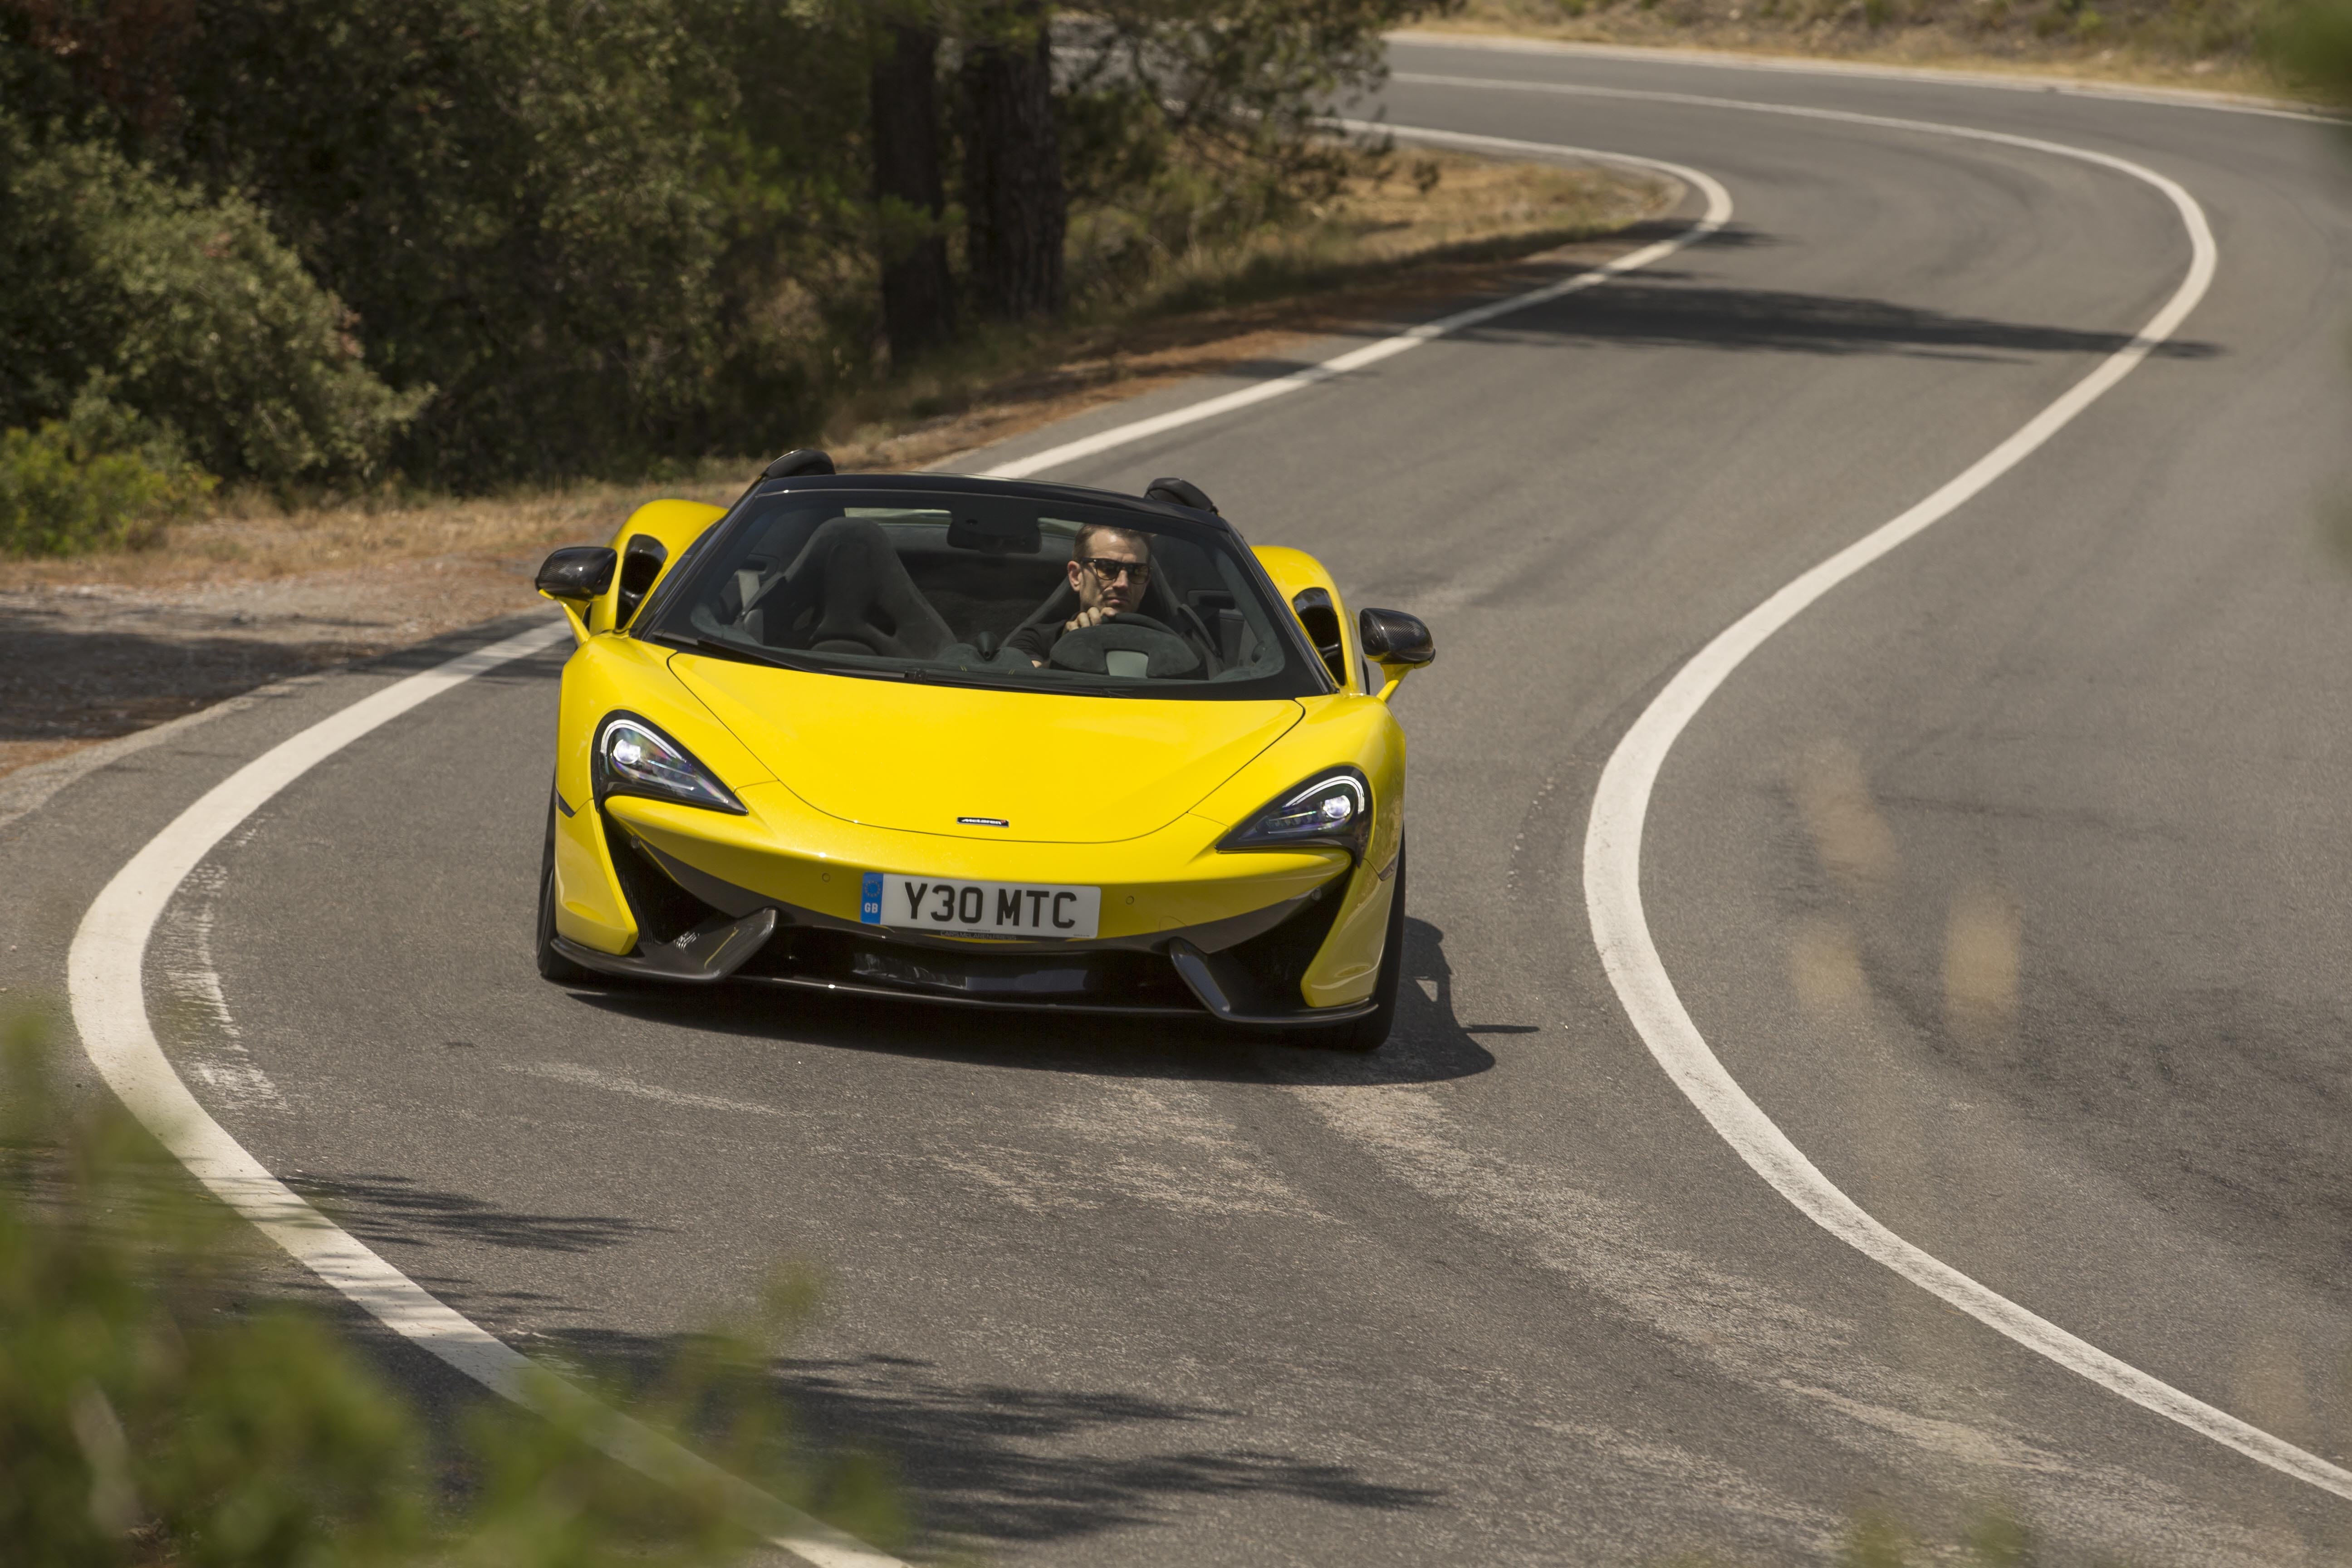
(1036, 642)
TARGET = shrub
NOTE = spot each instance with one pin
(2309, 42)
(192, 313)
(101, 479)
(567, 215)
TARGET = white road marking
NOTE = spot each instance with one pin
(1718, 212)
(1612, 844)
(2168, 97)
(224, 1063)
(1800, 112)
(105, 980)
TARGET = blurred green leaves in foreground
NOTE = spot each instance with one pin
(2309, 44)
(153, 1410)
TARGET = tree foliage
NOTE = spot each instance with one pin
(2309, 42)
(190, 311)
(1187, 123)
(565, 220)
(1239, 84)
(478, 240)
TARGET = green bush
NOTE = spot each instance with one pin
(153, 1412)
(192, 313)
(572, 218)
(2309, 42)
(576, 237)
(102, 478)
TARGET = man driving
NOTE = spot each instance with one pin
(1109, 568)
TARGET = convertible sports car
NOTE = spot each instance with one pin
(981, 742)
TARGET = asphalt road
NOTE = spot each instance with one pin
(2009, 880)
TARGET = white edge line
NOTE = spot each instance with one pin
(105, 981)
(1718, 212)
(1612, 866)
(1794, 65)
(1800, 112)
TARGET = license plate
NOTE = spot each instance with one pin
(981, 909)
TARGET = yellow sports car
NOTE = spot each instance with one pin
(981, 742)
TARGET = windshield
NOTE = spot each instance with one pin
(996, 590)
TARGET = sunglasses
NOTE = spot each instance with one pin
(1108, 569)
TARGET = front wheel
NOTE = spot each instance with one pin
(1371, 1032)
(552, 965)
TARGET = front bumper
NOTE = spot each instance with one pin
(704, 901)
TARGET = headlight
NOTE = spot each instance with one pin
(635, 758)
(1335, 809)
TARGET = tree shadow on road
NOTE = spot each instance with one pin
(1429, 1043)
(1661, 311)
(1663, 306)
(89, 678)
(58, 685)
(397, 1210)
(995, 1464)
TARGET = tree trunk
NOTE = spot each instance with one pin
(918, 307)
(1016, 211)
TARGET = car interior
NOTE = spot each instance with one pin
(943, 586)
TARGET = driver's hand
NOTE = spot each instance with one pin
(1093, 617)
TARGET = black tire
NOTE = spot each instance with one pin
(1371, 1032)
(552, 965)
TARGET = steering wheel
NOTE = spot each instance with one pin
(1126, 645)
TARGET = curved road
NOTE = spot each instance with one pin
(2009, 880)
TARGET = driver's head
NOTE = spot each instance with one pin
(1109, 567)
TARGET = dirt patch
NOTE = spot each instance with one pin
(98, 647)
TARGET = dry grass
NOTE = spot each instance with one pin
(2206, 44)
(248, 538)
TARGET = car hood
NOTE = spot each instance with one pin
(1054, 768)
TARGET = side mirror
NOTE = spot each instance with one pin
(1393, 638)
(577, 572)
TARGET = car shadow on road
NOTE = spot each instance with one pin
(1428, 1044)
(987, 1464)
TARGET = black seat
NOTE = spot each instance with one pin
(1059, 605)
(847, 592)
